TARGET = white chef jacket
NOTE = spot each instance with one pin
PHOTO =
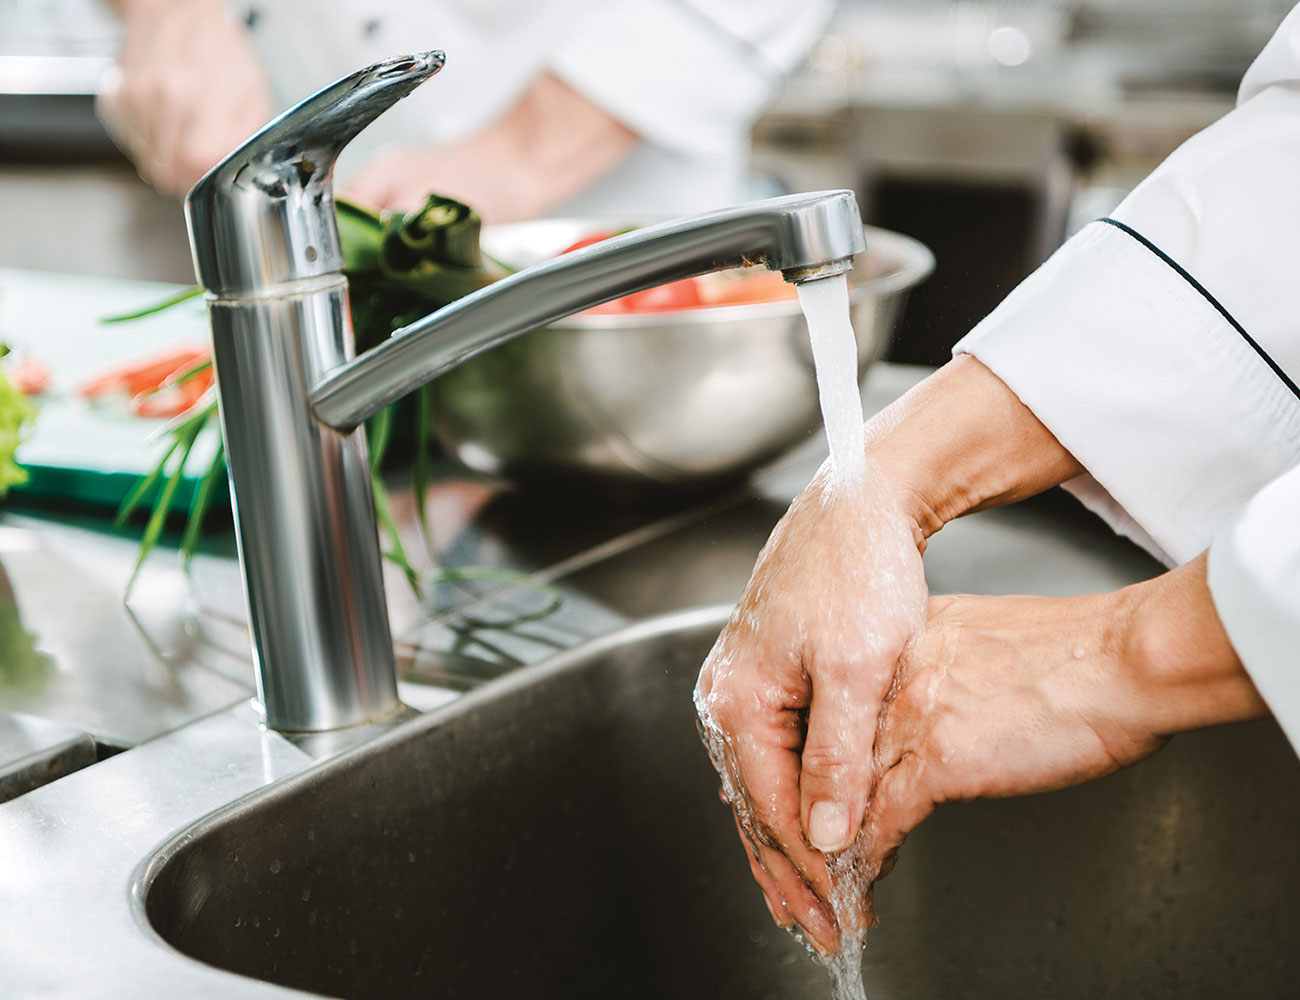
(690, 77)
(1162, 347)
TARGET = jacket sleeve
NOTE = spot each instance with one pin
(1162, 348)
(1255, 580)
(688, 74)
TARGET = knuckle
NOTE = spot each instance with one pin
(825, 762)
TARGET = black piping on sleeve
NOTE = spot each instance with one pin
(1182, 272)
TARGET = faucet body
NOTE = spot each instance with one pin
(292, 396)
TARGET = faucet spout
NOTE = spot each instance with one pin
(804, 236)
(264, 216)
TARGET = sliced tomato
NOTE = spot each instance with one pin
(587, 241)
(760, 286)
(684, 294)
(29, 377)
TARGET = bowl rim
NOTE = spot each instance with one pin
(915, 263)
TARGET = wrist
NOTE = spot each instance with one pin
(1180, 655)
(962, 441)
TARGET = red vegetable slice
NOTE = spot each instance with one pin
(29, 377)
(145, 375)
(587, 241)
(761, 286)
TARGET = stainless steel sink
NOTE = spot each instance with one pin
(558, 834)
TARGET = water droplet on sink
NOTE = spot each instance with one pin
(311, 917)
(306, 895)
(311, 834)
(239, 921)
(276, 866)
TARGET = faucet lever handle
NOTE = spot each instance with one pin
(264, 215)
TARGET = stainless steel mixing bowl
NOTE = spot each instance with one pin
(679, 398)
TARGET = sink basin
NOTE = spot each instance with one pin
(558, 834)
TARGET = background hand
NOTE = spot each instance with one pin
(545, 149)
(188, 88)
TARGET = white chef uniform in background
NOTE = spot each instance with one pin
(1162, 348)
(689, 76)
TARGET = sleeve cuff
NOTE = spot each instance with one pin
(1142, 377)
(1254, 578)
(681, 76)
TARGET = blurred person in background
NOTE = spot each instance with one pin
(545, 107)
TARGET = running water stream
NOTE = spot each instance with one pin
(825, 305)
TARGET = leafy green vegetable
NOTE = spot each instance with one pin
(16, 412)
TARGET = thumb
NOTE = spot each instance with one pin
(835, 767)
(903, 799)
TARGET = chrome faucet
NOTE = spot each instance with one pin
(266, 248)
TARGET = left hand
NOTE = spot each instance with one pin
(1015, 695)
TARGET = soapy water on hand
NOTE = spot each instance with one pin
(826, 308)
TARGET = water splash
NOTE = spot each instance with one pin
(851, 881)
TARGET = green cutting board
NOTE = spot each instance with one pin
(81, 450)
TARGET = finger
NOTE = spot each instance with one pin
(902, 801)
(836, 763)
(760, 753)
(791, 900)
(771, 894)
(797, 872)
(759, 768)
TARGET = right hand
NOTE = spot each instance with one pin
(789, 696)
(187, 89)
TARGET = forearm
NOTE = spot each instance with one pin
(1188, 672)
(962, 441)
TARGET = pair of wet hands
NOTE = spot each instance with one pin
(841, 704)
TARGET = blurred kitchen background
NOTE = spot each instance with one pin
(989, 130)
